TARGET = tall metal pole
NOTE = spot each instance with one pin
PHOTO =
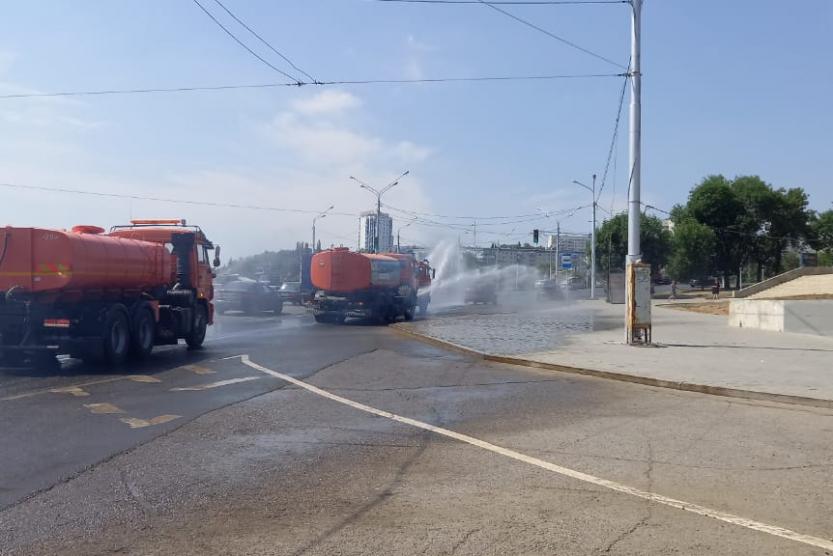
(635, 183)
(313, 233)
(593, 246)
(557, 249)
(377, 239)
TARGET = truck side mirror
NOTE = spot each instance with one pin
(217, 256)
(433, 273)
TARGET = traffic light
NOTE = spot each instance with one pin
(535, 236)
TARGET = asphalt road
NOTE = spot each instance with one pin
(212, 453)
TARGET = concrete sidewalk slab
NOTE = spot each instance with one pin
(692, 351)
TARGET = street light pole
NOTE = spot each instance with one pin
(378, 193)
(592, 237)
(322, 215)
(633, 300)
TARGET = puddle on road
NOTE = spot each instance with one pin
(516, 333)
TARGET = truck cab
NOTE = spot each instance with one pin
(178, 237)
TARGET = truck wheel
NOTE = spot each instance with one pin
(197, 335)
(409, 313)
(116, 335)
(144, 333)
(278, 307)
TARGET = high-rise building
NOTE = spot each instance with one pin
(367, 232)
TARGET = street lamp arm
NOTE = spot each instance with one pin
(587, 187)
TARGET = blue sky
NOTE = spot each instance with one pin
(732, 87)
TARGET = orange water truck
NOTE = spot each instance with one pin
(103, 296)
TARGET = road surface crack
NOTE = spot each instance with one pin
(463, 541)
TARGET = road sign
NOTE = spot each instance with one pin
(566, 261)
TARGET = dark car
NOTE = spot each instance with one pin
(292, 292)
(701, 283)
(248, 296)
(662, 280)
(482, 290)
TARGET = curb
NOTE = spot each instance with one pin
(622, 377)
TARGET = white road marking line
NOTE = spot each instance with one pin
(143, 378)
(564, 471)
(217, 384)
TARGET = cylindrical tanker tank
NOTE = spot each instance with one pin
(43, 260)
(343, 271)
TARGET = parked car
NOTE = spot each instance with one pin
(548, 288)
(574, 283)
(292, 292)
(701, 283)
(482, 290)
(662, 280)
(248, 296)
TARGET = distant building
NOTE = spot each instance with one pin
(367, 231)
(571, 243)
(668, 224)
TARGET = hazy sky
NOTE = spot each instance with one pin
(730, 86)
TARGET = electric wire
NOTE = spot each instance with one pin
(613, 138)
(167, 200)
(264, 41)
(242, 44)
(509, 3)
(549, 34)
(496, 78)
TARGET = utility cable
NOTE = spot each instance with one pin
(509, 3)
(264, 41)
(105, 92)
(167, 200)
(549, 34)
(613, 138)
(242, 44)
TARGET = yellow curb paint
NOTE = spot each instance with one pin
(135, 423)
(103, 408)
(719, 515)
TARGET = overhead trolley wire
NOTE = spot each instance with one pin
(151, 90)
(509, 3)
(244, 45)
(549, 34)
(264, 41)
(167, 200)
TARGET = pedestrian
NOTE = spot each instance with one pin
(673, 290)
(716, 289)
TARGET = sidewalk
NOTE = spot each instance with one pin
(691, 351)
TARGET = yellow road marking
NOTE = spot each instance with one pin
(76, 391)
(217, 384)
(103, 408)
(135, 423)
(143, 378)
(198, 369)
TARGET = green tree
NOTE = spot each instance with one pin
(612, 243)
(717, 205)
(822, 231)
(692, 254)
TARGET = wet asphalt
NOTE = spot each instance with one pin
(197, 453)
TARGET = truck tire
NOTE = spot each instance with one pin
(197, 335)
(143, 332)
(116, 337)
(278, 307)
(410, 311)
